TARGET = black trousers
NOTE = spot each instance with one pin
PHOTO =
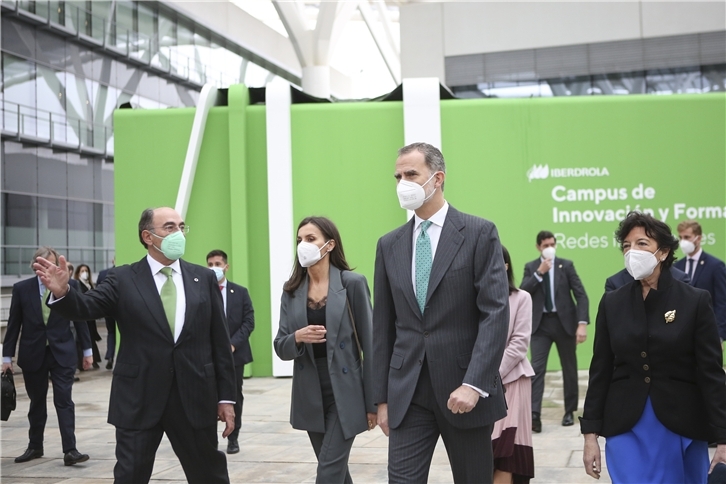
(239, 373)
(411, 445)
(195, 448)
(36, 384)
(551, 331)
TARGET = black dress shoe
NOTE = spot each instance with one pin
(568, 419)
(30, 454)
(232, 446)
(74, 457)
(109, 364)
(536, 423)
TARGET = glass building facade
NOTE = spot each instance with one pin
(66, 66)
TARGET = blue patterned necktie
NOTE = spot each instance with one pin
(424, 260)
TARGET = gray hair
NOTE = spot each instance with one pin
(44, 252)
(432, 155)
(146, 223)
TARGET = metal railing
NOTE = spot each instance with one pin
(71, 18)
(57, 129)
(16, 258)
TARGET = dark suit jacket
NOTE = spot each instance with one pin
(241, 322)
(148, 358)
(102, 276)
(623, 277)
(711, 276)
(26, 313)
(567, 285)
(463, 331)
(637, 354)
(351, 381)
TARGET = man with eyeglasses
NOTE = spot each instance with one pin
(174, 370)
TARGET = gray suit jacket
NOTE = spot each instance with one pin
(351, 381)
(463, 331)
(567, 285)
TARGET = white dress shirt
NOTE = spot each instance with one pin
(176, 276)
(223, 289)
(434, 233)
(551, 275)
(694, 261)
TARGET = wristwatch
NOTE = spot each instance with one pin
(538, 273)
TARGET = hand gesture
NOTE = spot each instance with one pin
(313, 333)
(463, 400)
(545, 266)
(383, 417)
(581, 333)
(7, 367)
(54, 277)
(372, 420)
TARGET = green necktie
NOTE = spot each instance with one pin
(168, 298)
(44, 307)
(424, 260)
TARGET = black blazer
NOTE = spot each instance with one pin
(638, 354)
(241, 322)
(711, 276)
(148, 358)
(567, 285)
(623, 277)
(26, 313)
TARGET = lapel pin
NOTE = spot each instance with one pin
(702, 262)
(232, 291)
(670, 316)
(196, 280)
(559, 266)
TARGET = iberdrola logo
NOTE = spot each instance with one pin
(538, 172)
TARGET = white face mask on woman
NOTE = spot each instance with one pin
(309, 254)
(84, 276)
(640, 263)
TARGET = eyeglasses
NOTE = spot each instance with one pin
(171, 228)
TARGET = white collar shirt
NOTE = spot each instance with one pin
(693, 259)
(176, 276)
(434, 233)
(551, 275)
(223, 290)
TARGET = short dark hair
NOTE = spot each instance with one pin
(654, 228)
(510, 271)
(146, 223)
(543, 235)
(432, 155)
(218, 253)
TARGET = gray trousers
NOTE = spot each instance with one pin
(331, 448)
(551, 331)
(411, 445)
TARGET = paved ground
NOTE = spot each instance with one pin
(271, 451)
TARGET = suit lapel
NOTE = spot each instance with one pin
(700, 267)
(36, 300)
(299, 313)
(557, 265)
(449, 245)
(335, 309)
(404, 246)
(192, 288)
(144, 281)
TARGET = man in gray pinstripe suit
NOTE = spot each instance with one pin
(440, 326)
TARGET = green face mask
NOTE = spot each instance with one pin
(172, 246)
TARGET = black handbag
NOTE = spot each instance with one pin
(7, 399)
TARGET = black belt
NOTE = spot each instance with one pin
(551, 314)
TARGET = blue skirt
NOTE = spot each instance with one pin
(650, 453)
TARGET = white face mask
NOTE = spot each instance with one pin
(219, 272)
(309, 254)
(687, 246)
(549, 253)
(84, 276)
(411, 195)
(640, 263)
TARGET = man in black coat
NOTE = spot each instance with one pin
(110, 322)
(241, 322)
(47, 349)
(174, 371)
